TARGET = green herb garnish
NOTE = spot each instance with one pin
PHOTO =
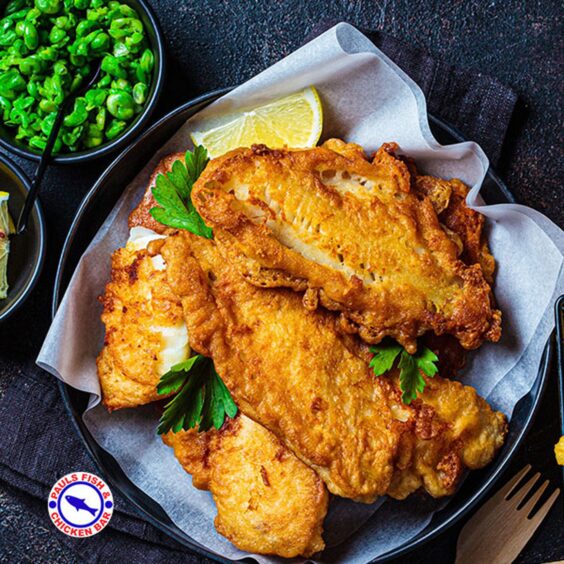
(173, 193)
(411, 367)
(201, 398)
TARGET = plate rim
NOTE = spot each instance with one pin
(170, 528)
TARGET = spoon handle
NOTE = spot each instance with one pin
(40, 171)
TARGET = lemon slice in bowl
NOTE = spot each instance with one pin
(6, 229)
(293, 121)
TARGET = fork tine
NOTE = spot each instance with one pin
(541, 513)
(508, 488)
(528, 507)
(522, 492)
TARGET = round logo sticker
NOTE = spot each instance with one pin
(80, 504)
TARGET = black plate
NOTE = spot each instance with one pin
(94, 209)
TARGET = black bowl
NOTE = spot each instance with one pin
(27, 250)
(93, 211)
(154, 33)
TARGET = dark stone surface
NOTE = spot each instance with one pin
(220, 43)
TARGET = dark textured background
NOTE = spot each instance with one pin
(219, 43)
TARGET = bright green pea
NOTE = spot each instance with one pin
(71, 138)
(48, 6)
(16, 117)
(105, 81)
(31, 37)
(135, 42)
(22, 14)
(120, 49)
(62, 22)
(147, 61)
(31, 65)
(95, 97)
(20, 28)
(47, 123)
(32, 89)
(124, 27)
(19, 48)
(6, 24)
(60, 68)
(11, 82)
(58, 144)
(120, 105)
(79, 114)
(57, 88)
(5, 106)
(125, 10)
(112, 65)
(8, 38)
(101, 42)
(31, 15)
(140, 93)
(122, 84)
(84, 27)
(101, 118)
(47, 54)
(47, 106)
(23, 102)
(57, 34)
(94, 136)
(115, 129)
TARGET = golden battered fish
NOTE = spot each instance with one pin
(448, 428)
(268, 502)
(354, 235)
(292, 371)
(145, 329)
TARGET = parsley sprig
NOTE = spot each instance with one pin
(411, 367)
(173, 193)
(201, 398)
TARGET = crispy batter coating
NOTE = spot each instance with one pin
(292, 371)
(297, 373)
(283, 512)
(354, 235)
(449, 200)
(287, 368)
(145, 329)
(448, 428)
(268, 502)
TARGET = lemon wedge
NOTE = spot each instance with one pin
(6, 229)
(293, 121)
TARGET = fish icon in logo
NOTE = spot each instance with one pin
(80, 504)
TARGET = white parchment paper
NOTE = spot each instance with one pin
(369, 100)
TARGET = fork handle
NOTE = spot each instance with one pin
(559, 313)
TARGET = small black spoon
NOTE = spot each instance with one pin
(89, 81)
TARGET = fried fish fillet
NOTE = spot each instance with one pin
(145, 329)
(354, 235)
(448, 428)
(268, 502)
(292, 371)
